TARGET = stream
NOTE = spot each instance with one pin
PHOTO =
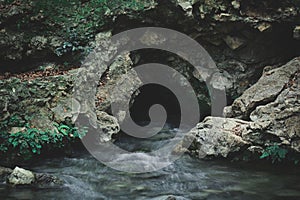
(187, 178)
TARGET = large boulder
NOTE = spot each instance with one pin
(271, 111)
(216, 137)
(266, 90)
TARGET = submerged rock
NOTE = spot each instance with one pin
(168, 197)
(42, 180)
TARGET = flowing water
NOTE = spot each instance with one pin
(187, 178)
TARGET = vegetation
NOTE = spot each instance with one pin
(74, 21)
(276, 153)
(30, 141)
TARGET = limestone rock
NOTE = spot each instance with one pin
(219, 137)
(271, 108)
(281, 117)
(109, 126)
(108, 90)
(266, 90)
(187, 6)
(21, 176)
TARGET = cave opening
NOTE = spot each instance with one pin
(150, 95)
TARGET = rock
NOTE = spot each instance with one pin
(280, 117)
(109, 126)
(152, 38)
(222, 81)
(116, 71)
(234, 42)
(35, 98)
(255, 149)
(38, 42)
(55, 42)
(266, 90)
(43, 179)
(21, 176)
(271, 108)
(168, 197)
(218, 137)
(296, 32)
(43, 102)
(14, 130)
(4, 172)
(236, 4)
(263, 26)
(187, 6)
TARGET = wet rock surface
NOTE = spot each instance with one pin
(4, 172)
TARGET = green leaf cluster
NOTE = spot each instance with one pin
(32, 141)
(275, 153)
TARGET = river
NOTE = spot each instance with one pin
(187, 178)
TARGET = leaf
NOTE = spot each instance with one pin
(64, 129)
(15, 143)
(264, 155)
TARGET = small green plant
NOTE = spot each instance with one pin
(275, 153)
(31, 141)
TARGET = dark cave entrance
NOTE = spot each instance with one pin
(150, 95)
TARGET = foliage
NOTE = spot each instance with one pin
(275, 153)
(31, 141)
(75, 21)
